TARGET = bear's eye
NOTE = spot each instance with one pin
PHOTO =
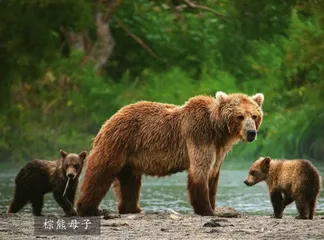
(76, 167)
(253, 173)
(240, 117)
(254, 117)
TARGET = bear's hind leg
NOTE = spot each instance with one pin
(303, 209)
(311, 208)
(37, 204)
(287, 200)
(127, 189)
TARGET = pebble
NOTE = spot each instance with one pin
(111, 216)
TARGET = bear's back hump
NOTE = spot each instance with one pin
(36, 174)
(300, 172)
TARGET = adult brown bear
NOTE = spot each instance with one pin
(160, 139)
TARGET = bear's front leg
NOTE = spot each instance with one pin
(201, 158)
(213, 185)
(64, 203)
(277, 203)
(199, 195)
(70, 194)
(214, 177)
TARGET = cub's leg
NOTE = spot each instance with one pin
(64, 203)
(127, 189)
(277, 203)
(302, 207)
(71, 195)
(312, 207)
(311, 195)
(37, 204)
(287, 200)
(18, 202)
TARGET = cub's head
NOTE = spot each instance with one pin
(240, 115)
(258, 171)
(72, 163)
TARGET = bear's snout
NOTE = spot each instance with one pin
(70, 175)
(251, 135)
(247, 183)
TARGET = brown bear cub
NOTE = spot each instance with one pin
(39, 177)
(288, 181)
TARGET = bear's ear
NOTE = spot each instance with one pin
(258, 98)
(266, 164)
(63, 154)
(83, 155)
(221, 96)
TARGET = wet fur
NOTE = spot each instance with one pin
(39, 177)
(288, 181)
(159, 139)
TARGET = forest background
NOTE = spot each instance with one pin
(66, 66)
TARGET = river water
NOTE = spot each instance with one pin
(160, 194)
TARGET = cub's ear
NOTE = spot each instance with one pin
(266, 163)
(63, 154)
(258, 98)
(83, 155)
(221, 96)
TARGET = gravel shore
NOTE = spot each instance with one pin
(228, 224)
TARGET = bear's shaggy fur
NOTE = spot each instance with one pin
(160, 139)
(288, 181)
(39, 177)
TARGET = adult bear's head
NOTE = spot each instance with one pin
(239, 114)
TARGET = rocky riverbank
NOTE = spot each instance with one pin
(228, 224)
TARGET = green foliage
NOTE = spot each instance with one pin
(30, 37)
(261, 19)
(259, 46)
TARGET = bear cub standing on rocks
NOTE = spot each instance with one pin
(39, 177)
(288, 181)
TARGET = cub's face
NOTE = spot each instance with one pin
(72, 163)
(241, 114)
(258, 171)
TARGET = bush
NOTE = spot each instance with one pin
(59, 103)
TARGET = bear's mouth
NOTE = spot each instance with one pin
(245, 139)
(253, 182)
(247, 183)
(71, 175)
(250, 139)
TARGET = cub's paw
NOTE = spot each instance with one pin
(276, 216)
(103, 211)
(301, 217)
